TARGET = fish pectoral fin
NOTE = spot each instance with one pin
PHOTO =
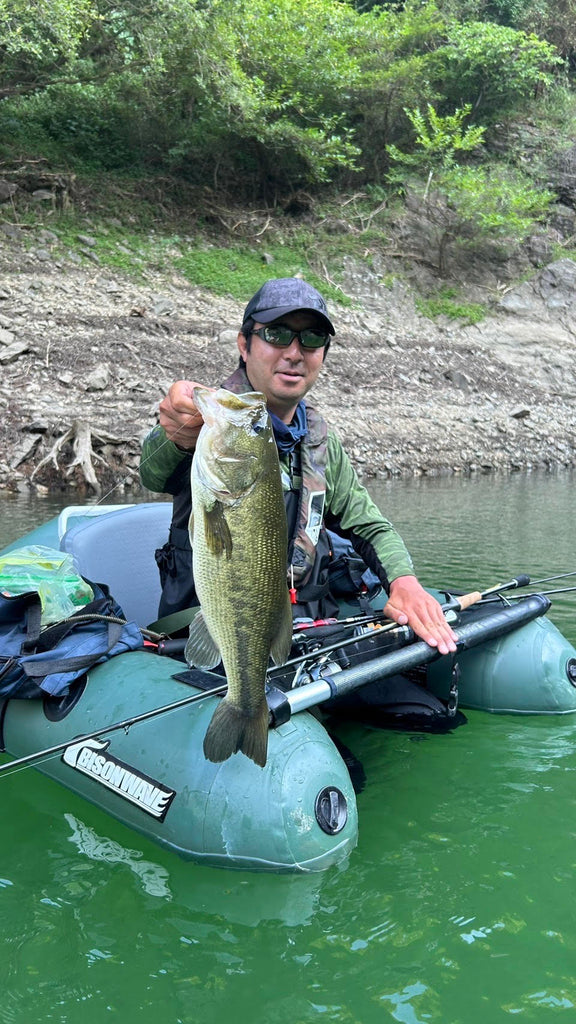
(282, 642)
(201, 649)
(217, 531)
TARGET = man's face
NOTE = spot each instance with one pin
(283, 375)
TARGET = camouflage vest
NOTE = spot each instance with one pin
(303, 543)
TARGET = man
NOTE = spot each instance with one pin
(283, 342)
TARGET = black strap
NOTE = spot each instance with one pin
(35, 669)
(33, 621)
(38, 640)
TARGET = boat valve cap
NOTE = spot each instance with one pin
(331, 810)
(571, 670)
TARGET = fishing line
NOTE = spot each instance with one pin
(143, 462)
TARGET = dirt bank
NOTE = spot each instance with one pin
(86, 354)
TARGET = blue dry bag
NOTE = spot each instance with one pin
(37, 662)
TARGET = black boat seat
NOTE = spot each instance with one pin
(117, 548)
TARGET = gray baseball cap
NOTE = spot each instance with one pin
(283, 295)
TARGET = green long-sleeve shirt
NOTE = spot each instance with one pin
(347, 500)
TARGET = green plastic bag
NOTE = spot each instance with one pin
(51, 573)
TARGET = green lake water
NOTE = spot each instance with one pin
(458, 905)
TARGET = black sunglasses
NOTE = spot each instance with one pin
(281, 336)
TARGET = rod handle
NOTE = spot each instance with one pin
(464, 601)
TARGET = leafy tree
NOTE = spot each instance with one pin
(393, 49)
(259, 96)
(440, 139)
(277, 77)
(40, 40)
(493, 67)
(552, 20)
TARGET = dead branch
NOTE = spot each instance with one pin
(81, 435)
(83, 454)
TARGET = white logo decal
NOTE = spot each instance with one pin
(315, 513)
(90, 758)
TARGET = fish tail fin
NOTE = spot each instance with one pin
(232, 729)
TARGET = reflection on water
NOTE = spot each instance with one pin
(20, 513)
(153, 877)
(476, 531)
(457, 906)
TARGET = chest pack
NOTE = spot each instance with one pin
(40, 662)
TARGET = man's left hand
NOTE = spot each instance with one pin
(410, 605)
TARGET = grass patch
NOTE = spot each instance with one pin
(239, 271)
(128, 238)
(445, 303)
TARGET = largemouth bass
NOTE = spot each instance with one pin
(239, 542)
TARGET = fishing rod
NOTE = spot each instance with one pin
(341, 682)
(454, 604)
(166, 646)
(115, 727)
(549, 579)
(516, 582)
(327, 649)
(319, 690)
(546, 593)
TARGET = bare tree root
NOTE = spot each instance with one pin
(81, 435)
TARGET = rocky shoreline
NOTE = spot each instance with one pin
(86, 355)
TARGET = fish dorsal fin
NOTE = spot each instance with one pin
(282, 642)
(201, 650)
(217, 531)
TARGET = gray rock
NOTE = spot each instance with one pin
(88, 240)
(90, 255)
(13, 352)
(372, 323)
(458, 378)
(162, 306)
(37, 427)
(24, 450)
(7, 190)
(227, 339)
(557, 284)
(6, 337)
(13, 231)
(99, 379)
(520, 301)
(47, 237)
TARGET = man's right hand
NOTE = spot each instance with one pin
(179, 416)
